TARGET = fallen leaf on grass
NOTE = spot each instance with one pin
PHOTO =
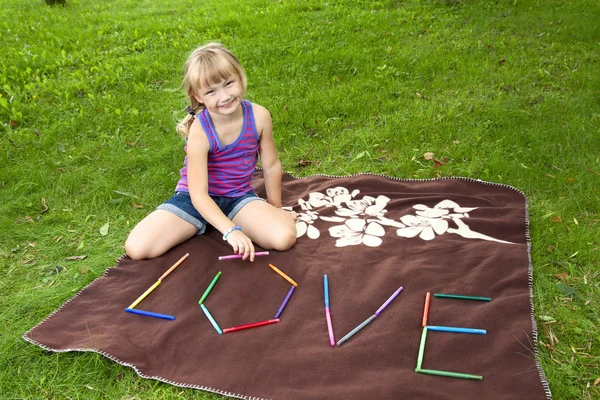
(438, 163)
(74, 258)
(44, 206)
(126, 194)
(567, 290)
(597, 381)
(104, 230)
(563, 276)
(429, 155)
(556, 219)
(547, 319)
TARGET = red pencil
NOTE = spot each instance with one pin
(426, 312)
(248, 326)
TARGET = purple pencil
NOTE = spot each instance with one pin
(287, 297)
(388, 301)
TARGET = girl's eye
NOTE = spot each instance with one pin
(229, 83)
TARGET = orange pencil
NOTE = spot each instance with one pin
(182, 259)
(426, 312)
(284, 276)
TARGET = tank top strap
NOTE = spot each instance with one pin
(204, 119)
(249, 121)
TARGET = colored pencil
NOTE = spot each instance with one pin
(149, 314)
(355, 330)
(454, 329)
(234, 256)
(182, 259)
(143, 296)
(462, 297)
(326, 290)
(211, 319)
(388, 301)
(426, 311)
(421, 348)
(284, 276)
(449, 374)
(287, 298)
(207, 291)
(253, 325)
(327, 311)
(329, 326)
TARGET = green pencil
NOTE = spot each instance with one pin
(215, 279)
(463, 297)
(422, 348)
(449, 374)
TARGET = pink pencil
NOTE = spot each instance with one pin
(234, 256)
(253, 325)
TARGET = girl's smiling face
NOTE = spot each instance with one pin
(222, 98)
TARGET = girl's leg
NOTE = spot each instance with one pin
(156, 234)
(269, 227)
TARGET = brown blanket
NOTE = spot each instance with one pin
(370, 234)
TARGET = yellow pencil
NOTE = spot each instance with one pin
(284, 276)
(182, 259)
(146, 293)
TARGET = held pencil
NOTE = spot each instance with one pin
(207, 291)
(462, 297)
(287, 298)
(449, 374)
(235, 256)
(426, 311)
(253, 325)
(327, 312)
(149, 314)
(388, 301)
(211, 319)
(144, 295)
(182, 259)
(454, 329)
(355, 330)
(284, 276)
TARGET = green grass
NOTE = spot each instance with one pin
(505, 91)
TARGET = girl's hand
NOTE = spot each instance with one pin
(291, 213)
(241, 244)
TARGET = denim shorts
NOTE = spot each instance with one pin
(181, 205)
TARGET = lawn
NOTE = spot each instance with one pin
(503, 91)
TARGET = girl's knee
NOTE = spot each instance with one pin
(284, 239)
(136, 250)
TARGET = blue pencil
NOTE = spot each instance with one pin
(287, 298)
(454, 329)
(211, 319)
(149, 313)
(326, 289)
(355, 330)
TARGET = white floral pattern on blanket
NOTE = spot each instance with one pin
(362, 221)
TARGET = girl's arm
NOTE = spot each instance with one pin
(197, 153)
(268, 155)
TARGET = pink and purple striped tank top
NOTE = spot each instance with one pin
(230, 167)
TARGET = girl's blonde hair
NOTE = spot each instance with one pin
(207, 65)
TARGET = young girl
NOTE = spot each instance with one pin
(225, 134)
